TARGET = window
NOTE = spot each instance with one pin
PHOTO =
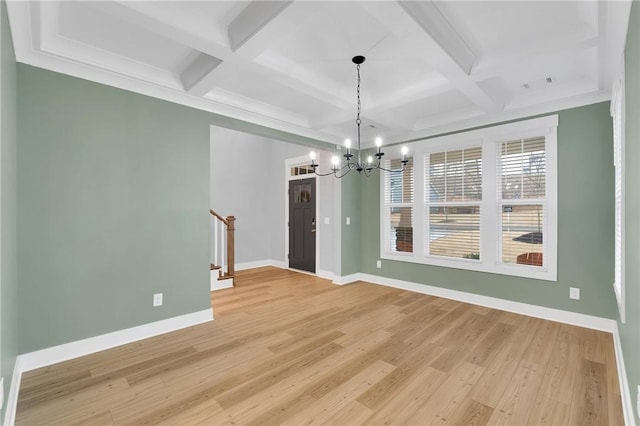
(453, 197)
(617, 112)
(483, 200)
(521, 200)
(398, 207)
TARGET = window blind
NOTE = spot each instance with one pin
(521, 209)
(453, 194)
(398, 207)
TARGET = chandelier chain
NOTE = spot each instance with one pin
(360, 166)
(358, 121)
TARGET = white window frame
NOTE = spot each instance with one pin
(490, 139)
(618, 116)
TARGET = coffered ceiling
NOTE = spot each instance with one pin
(431, 67)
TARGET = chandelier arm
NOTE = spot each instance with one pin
(323, 174)
(343, 174)
(404, 167)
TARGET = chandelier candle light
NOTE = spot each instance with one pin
(366, 167)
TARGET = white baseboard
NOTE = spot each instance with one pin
(67, 351)
(12, 398)
(566, 317)
(254, 264)
(347, 279)
(216, 284)
(327, 275)
(625, 394)
(558, 315)
(260, 264)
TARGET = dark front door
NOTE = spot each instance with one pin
(302, 224)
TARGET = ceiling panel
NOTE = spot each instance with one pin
(431, 67)
(83, 22)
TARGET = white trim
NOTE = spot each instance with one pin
(625, 395)
(279, 264)
(67, 351)
(347, 279)
(12, 399)
(566, 317)
(619, 162)
(289, 163)
(217, 284)
(327, 275)
(254, 264)
(489, 139)
(260, 264)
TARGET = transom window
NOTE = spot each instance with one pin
(483, 200)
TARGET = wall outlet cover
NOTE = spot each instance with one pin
(638, 400)
(157, 300)
(574, 293)
(348, 221)
(379, 264)
(327, 221)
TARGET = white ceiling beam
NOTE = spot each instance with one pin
(195, 74)
(145, 15)
(252, 19)
(432, 21)
(440, 59)
(249, 34)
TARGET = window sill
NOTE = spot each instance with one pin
(516, 270)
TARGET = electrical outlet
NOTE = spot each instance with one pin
(574, 293)
(348, 221)
(379, 264)
(638, 400)
(157, 300)
(327, 221)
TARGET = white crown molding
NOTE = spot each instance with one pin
(549, 107)
(51, 51)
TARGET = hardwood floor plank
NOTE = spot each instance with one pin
(291, 348)
(340, 396)
(589, 403)
(518, 398)
(470, 412)
(353, 413)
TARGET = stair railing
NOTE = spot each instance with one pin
(223, 245)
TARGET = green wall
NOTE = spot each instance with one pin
(351, 206)
(630, 330)
(8, 207)
(585, 226)
(112, 205)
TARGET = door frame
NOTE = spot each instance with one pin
(289, 163)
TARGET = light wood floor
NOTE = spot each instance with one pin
(288, 348)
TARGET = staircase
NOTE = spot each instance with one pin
(223, 266)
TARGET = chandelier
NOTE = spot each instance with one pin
(349, 164)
